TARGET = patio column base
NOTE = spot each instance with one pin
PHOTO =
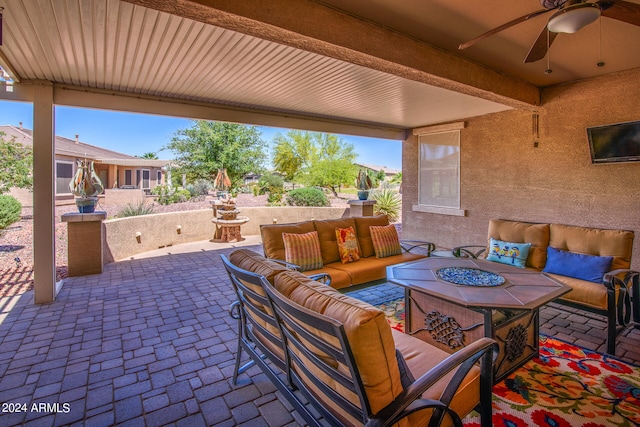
(361, 207)
(85, 234)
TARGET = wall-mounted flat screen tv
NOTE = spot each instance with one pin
(619, 142)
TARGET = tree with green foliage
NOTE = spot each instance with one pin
(315, 159)
(397, 179)
(10, 211)
(332, 164)
(16, 165)
(150, 156)
(292, 152)
(208, 146)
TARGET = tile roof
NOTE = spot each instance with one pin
(69, 147)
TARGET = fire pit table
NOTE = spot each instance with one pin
(451, 302)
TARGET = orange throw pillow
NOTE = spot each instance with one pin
(347, 245)
(303, 250)
(385, 240)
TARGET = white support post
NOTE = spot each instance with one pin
(44, 257)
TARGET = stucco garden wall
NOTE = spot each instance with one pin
(502, 174)
(173, 228)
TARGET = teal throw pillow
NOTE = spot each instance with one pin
(508, 252)
(579, 266)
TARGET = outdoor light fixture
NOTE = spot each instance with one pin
(574, 18)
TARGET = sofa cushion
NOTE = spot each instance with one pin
(372, 268)
(385, 240)
(421, 358)
(583, 292)
(580, 266)
(303, 250)
(523, 232)
(366, 328)
(508, 252)
(256, 263)
(271, 235)
(364, 233)
(347, 245)
(594, 241)
(327, 234)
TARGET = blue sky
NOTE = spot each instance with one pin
(136, 134)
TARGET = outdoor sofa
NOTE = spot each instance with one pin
(372, 260)
(339, 355)
(594, 262)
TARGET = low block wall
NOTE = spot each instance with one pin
(125, 237)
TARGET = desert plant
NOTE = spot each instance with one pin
(388, 203)
(269, 183)
(167, 196)
(10, 211)
(136, 209)
(199, 188)
(306, 197)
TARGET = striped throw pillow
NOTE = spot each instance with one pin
(385, 240)
(303, 250)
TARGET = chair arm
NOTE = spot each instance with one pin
(468, 251)
(409, 245)
(321, 277)
(289, 265)
(628, 302)
(462, 361)
(621, 277)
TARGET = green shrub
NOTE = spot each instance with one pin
(179, 196)
(269, 183)
(307, 197)
(199, 188)
(388, 203)
(167, 196)
(275, 197)
(10, 211)
(135, 209)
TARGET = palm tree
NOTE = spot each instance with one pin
(150, 155)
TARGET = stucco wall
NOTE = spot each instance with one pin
(504, 176)
(160, 230)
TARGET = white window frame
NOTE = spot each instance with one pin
(158, 177)
(423, 135)
(67, 191)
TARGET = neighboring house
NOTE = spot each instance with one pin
(388, 172)
(115, 170)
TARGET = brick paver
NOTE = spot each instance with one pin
(150, 342)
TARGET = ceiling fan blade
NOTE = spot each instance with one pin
(621, 10)
(503, 27)
(540, 46)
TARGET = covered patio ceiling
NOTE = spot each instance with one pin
(205, 62)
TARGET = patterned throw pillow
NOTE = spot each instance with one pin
(347, 244)
(385, 240)
(303, 250)
(508, 253)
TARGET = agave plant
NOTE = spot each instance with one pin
(388, 203)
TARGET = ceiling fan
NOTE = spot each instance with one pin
(570, 17)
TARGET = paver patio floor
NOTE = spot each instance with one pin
(149, 342)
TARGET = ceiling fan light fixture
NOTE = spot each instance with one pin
(574, 18)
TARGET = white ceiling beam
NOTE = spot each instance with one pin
(83, 97)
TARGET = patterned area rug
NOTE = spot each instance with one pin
(566, 386)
